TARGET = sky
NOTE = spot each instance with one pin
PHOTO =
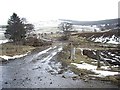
(39, 10)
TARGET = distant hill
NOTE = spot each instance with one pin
(108, 21)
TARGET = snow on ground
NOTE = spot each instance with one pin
(44, 51)
(13, 57)
(94, 69)
(112, 40)
(3, 41)
(52, 54)
(47, 59)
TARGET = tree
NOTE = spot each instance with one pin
(66, 28)
(17, 29)
(29, 27)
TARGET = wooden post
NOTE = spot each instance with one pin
(72, 52)
(98, 58)
(71, 56)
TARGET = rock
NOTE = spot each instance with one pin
(38, 77)
(50, 82)
(6, 82)
(63, 76)
(74, 78)
(86, 80)
(14, 79)
(82, 74)
(26, 78)
(60, 72)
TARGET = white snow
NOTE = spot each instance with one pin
(13, 57)
(105, 73)
(44, 51)
(112, 40)
(52, 55)
(3, 41)
(94, 69)
(48, 58)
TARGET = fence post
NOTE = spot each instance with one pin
(98, 58)
(71, 56)
(72, 52)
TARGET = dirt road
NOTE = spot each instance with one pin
(40, 70)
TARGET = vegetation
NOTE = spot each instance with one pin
(10, 49)
(80, 42)
(16, 29)
(66, 28)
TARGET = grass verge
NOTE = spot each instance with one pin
(10, 49)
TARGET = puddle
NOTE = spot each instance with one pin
(69, 74)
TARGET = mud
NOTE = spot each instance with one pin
(45, 72)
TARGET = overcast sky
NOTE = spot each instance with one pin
(37, 10)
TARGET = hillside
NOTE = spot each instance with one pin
(108, 21)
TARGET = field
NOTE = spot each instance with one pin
(86, 54)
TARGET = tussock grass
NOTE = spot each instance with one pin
(11, 49)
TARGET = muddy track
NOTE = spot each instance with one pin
(41, 70)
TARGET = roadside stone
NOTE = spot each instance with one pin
(6, 82)
(50, 82)
(60, 72)
(14, 79)
(74, 77)
(63, 76)
(86, 80)
(38, 77)
(26, 78)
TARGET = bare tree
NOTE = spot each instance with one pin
(66, 28)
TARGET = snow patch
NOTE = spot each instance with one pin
(52, 55)
(3, 41)
(13, 57)
(112, 40)
(94, 69)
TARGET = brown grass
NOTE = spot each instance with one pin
(10, 49)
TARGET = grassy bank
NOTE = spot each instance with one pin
(11, 49)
